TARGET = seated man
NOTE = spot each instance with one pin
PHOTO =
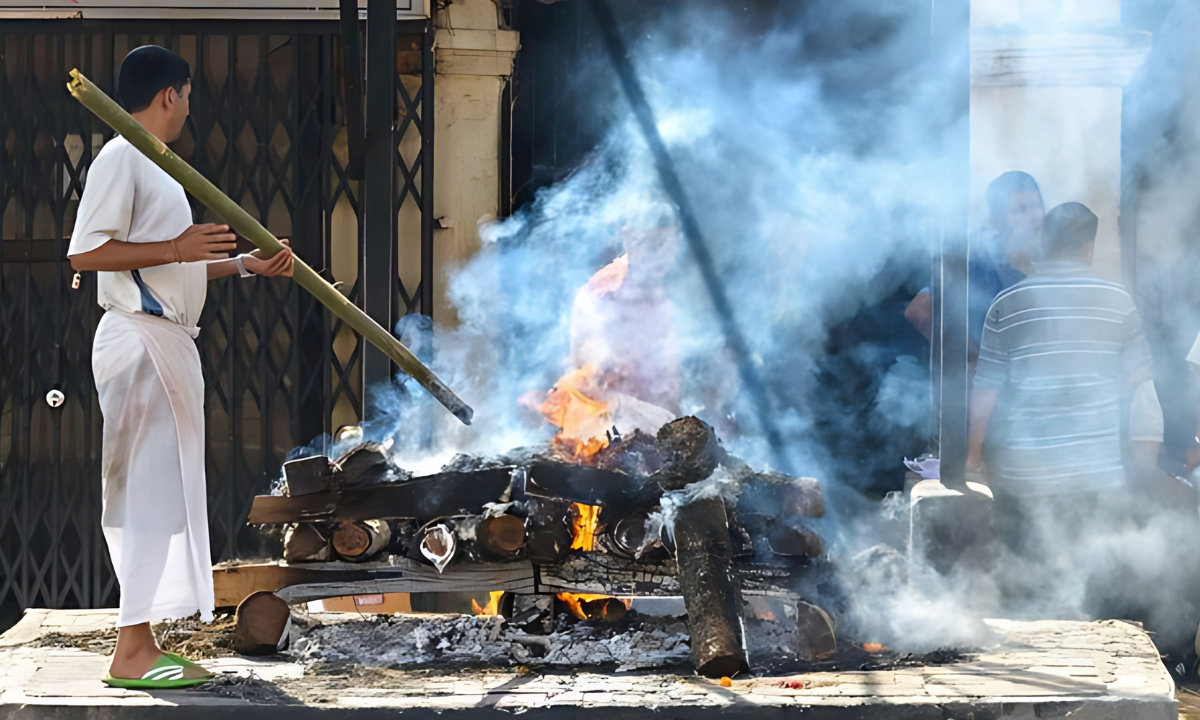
(1066, 350)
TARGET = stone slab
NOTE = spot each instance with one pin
(1084, 671)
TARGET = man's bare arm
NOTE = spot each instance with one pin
(983, 402)
(920, 313)
(199, 243)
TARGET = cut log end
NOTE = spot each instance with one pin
(262, 624)
(359, 540)
(503, 535)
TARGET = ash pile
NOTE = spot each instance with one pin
(649, 552)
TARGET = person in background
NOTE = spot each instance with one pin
(1067, 350)
(1000, 257)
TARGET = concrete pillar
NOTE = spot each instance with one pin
(474, 59)
(1046, 83)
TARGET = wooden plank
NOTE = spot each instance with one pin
(411, 577)
(426, 498)
(233, 584)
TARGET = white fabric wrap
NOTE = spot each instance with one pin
(155, 519)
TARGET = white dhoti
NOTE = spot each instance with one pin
(155, 518)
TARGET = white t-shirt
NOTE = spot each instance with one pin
(127, 197)
(1145, 414)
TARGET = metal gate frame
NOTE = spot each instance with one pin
(276, 365)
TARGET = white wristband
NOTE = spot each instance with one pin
(241, 267)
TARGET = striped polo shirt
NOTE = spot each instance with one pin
(1059, 346)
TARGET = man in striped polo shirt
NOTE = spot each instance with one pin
(1066, 350)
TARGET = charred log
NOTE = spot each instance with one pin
(710, 589)
(502, 535)
(690, 452)
(550, 530)
(305, 543)
(794, 540)
(636, 455)
(425, 498)
(782, 496)
(634, 538)
(358, 540)
(583, 484)
(817, 638)
(262, 625)
(307, 475)
(366, 464)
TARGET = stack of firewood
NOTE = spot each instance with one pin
(672, 515)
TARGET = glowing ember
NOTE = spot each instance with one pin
(493, 606)
(595, 609)
(584, 521)
(873, 647)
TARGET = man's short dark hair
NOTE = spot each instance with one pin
(1000, 190)
(146, 71)
(1067, 228)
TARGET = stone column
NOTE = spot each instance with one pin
(1046, 83)
(474, 59)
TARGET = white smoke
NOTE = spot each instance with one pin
(818, 177)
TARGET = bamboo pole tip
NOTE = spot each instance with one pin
(75, 84)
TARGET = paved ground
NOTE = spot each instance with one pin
(1084, 671)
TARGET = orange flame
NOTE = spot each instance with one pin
(584, 521)
(584, 420)
(575, 603)
(493, 606)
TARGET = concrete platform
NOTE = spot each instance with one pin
(1083, 671)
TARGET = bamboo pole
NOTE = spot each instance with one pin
(94, 99)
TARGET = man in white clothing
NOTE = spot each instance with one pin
(134, 228)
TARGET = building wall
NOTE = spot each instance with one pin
(1046, 94)
(474, 61)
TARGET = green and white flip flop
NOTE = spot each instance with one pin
(168, 672)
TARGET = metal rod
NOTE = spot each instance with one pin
(691, 231)
(427, 104)
(103, 106)
(378, 261)
(950, 42)
(352, 87)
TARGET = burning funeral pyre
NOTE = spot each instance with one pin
(590, 533)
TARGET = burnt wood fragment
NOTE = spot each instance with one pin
(817, 637)
(261, 625)
(307, 475)
(636, 454)
(710, 589)
(304, 542)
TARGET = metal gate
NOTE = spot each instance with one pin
(267, 127)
